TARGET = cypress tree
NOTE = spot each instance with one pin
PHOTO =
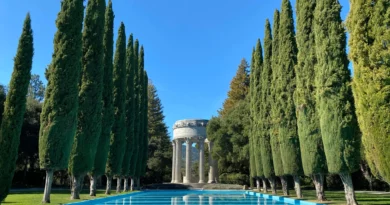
(2, 101)
(275, 108)
(141, 134)
(256, 112)
(107, 100)
(252, 121)
(14, 108)
(265, 118)
(90, 96)
(369, 35)
(335, 103)
(312, 149)
(135, 156)
(145, 113)
(59, 112)
(288, 134)
(129, 112)
(117, 142)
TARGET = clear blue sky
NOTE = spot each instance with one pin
(192, 47)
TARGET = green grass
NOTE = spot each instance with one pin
(338, 197)
(56, 197)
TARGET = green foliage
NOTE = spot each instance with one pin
(334, 96)
(239, 88)
(134, 157)
(288, 134)
(265, 118)
(2, 101)
(368, 24)
(91, 88)
(141, 116)
(107, 95)
(159, 147)
(117, 142)
(129, 137)
(36, 89)
(14, 108)
(312, 149)
(256, 106)
(145, 127)
(59, 112)
(252, 161)
(275, 109)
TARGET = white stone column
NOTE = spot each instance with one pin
(211, 164)
(173, 161)
(178, 178)
(188, 160)
(201, 161)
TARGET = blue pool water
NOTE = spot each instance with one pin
(192, 197)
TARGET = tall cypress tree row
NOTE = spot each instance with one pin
(368, 27)
(312, 149)
(256, 109)
(107, 100)
(14, 108)
(334, 96)
(288, 134)
(266, 76)
(90, 96)
(252, 121)
(275, 108)
(2, 101)
(59, 112)
(129, 112)
(117, 142)
(134, 158)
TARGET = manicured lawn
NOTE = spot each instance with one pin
(57, 197)
(337, 197)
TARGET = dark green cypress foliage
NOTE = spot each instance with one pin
(2, 101)
(117, 142)
(146, 136)
(266, 77)
(135, 156)
(288, 135)
(90, 95)
(108, 108)
(275, 109)
(252, 163)
(141, 134)
(368, 23)
(312, 149)
(335, 103)
(59, 112)
(14, 108)
(129, 107)
(257, 103)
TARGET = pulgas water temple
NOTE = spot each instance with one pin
(191, 131)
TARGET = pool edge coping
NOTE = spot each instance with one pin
(282, 198)
(101, 198)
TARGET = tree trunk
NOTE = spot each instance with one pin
(108, 187)
(366, 173)
(48, 183)
(318, 180)
(132, 184)
(283, 180)
(265, 190)
(75, 188)
(92, 188)
(118, 184)
(297, 186)
(348, 188)
(126, 184)
(258, 184)
(138, 183)
(273, 184)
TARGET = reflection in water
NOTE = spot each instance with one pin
(185, 199)
(211, 200)
(201, 199)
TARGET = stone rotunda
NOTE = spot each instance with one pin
(191, 131)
